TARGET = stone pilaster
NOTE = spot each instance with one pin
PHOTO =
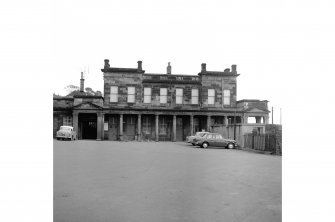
(174, 128)
(139, 127)
(156, 128)
(121, 128)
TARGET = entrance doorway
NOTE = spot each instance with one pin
(87, 126)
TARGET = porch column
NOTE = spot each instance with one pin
(266, 119)
(99, 126)
(208, 123)
(121, 127)
(156, 129)
(174, 128)
(75, 123)
(245, 119)
(191, 125)
(225, 122)
(139, 128)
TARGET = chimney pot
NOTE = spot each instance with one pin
(203, 67)
(82, 82)
(139, 65)
(168, 69)
(107, 64)
(233, 68)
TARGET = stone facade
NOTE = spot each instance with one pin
(161, 107)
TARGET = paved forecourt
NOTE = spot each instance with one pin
(163, 181)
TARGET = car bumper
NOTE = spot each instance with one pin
(63, 137)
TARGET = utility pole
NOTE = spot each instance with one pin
(280, 116)
(272, 114)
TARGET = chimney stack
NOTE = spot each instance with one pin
(168, 69)
(233, 68)
(106, 64)
(82, 82)
(203, 67)
(139, 65)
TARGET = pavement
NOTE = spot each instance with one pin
(163, 181)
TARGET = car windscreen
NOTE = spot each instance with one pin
(65, 128)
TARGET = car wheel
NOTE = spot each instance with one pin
(205, 145)
(230, 146)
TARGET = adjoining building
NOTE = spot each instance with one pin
(162, 107)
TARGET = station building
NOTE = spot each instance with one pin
(160, 107)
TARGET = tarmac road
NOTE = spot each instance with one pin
(163, 181)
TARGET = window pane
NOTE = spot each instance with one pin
(195, 100)
(179, 92)
(195, 92)
(131, 90)
(114, 98)
(147, 91)
(226, 97)
(114, 89)
(163, 99)
(179, 100)
(211, 92)
(147, 99)
(226, 92)
(210, 100)
(114, 94)
(131, 98)
(163, 91)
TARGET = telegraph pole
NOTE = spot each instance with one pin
(272, 114)
(280, 116)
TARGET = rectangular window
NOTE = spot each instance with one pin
(67, 121)
(147, 95)
(195, 96)
(131, 94)
(211, 96)
(179, 96)
(114, 94)
(163, 95)
(226, 97)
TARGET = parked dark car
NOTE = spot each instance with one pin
(215, 139)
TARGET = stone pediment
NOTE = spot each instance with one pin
(87, 106)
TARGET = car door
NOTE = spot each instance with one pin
(220, 141)
(211, 139)
(216, 140)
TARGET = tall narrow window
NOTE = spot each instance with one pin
(114, 94)
(211, 96)
(179, 96)
(163, 95)
(146, 125)
(163, 126)
(147, 95)
(131, 94)
(226, 97)
(195, 96)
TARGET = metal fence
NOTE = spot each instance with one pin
(263, 142)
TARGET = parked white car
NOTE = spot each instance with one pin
(66, 132)
(191, 139)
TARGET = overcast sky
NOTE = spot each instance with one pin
(268, 41)
(284, 51)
